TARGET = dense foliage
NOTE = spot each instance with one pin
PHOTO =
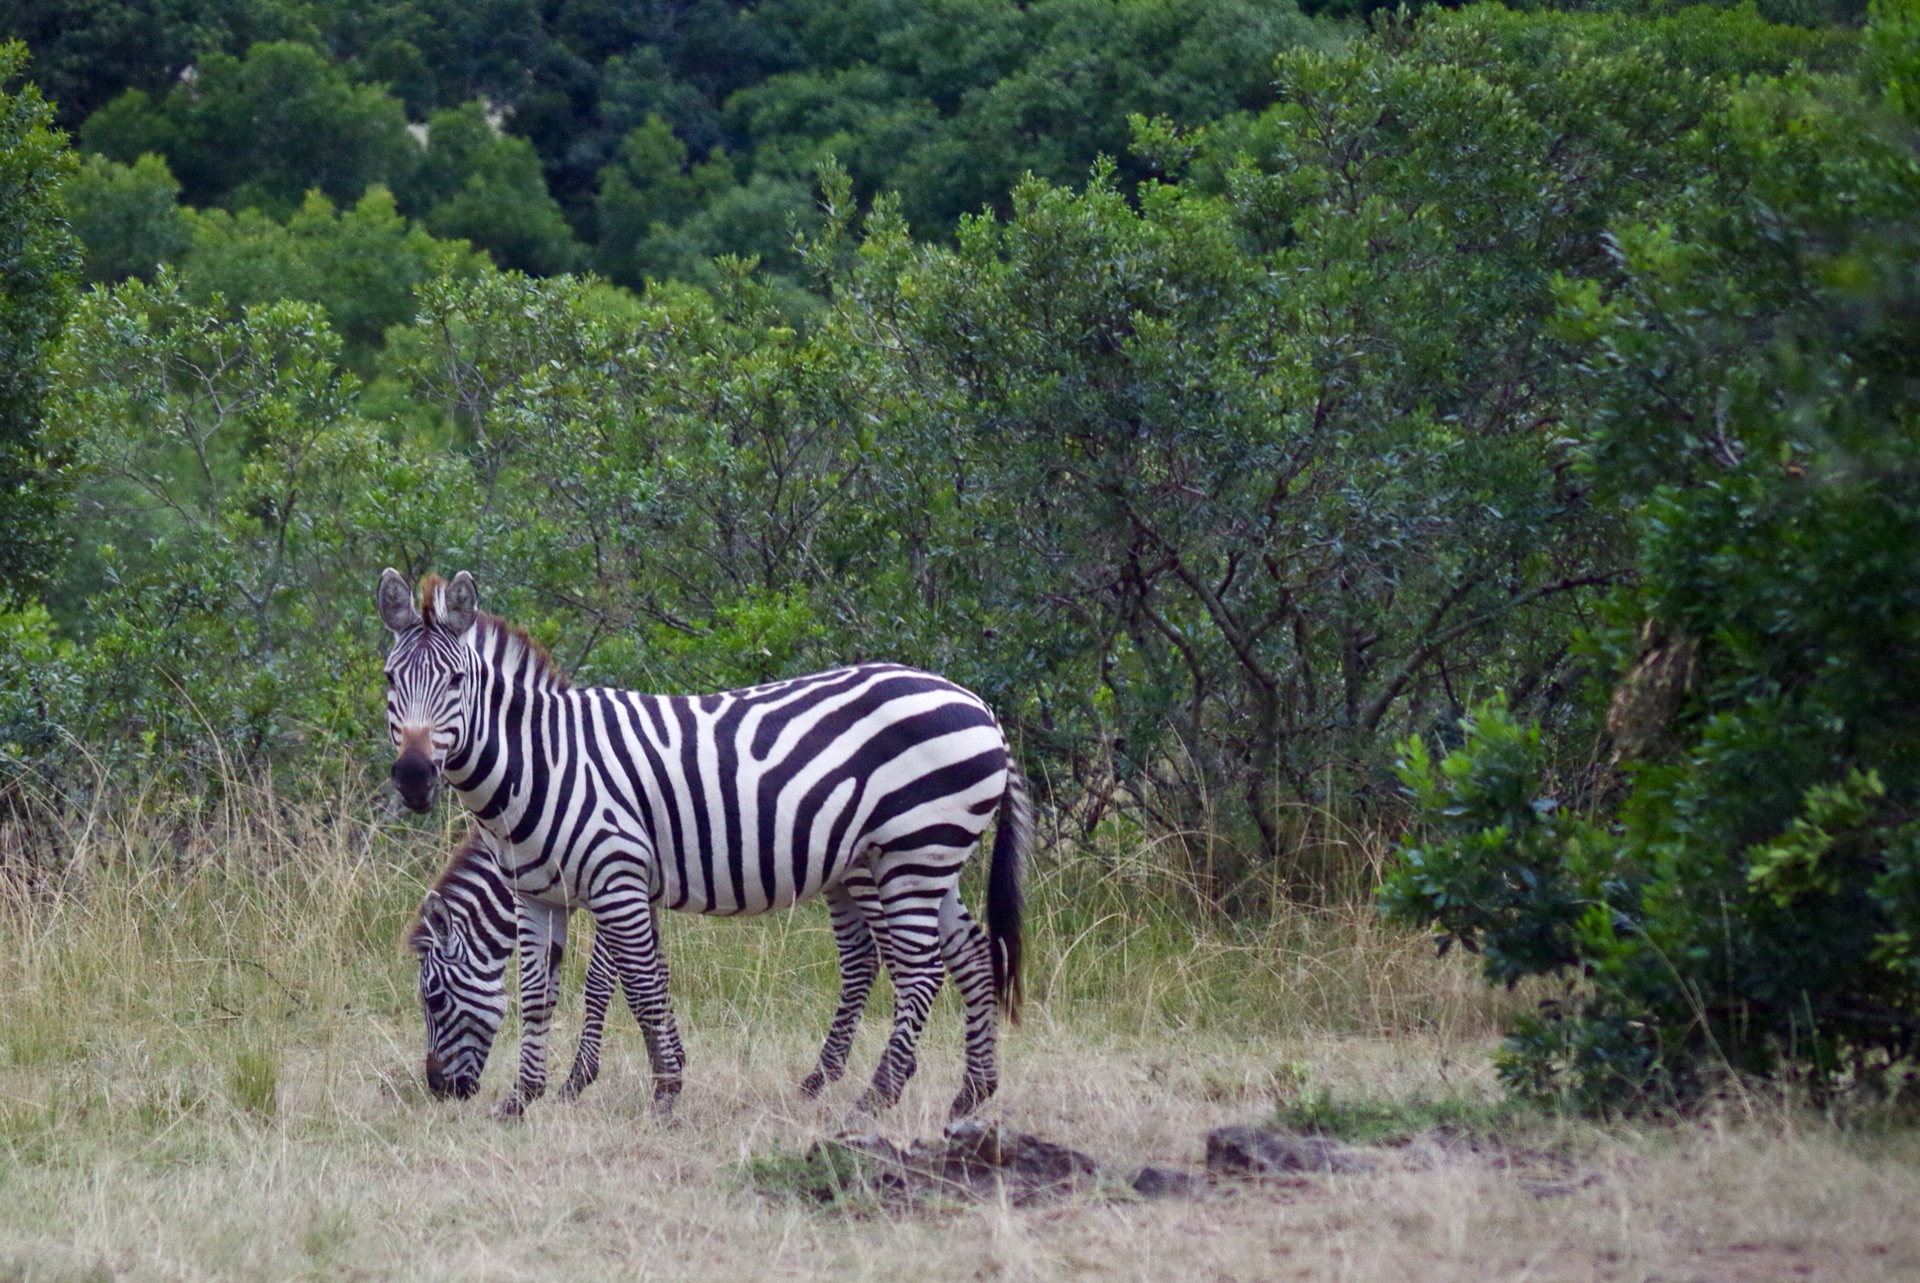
(1227, 396)
(1755, 901)
(639, 139)
(37, 260)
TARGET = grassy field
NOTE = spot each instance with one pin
(209, 1068)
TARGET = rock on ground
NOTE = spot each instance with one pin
(1256, 1152)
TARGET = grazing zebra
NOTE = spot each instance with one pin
(466, 930)
(867, 786)
(468, 926)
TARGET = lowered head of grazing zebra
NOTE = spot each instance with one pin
(428, 671)
(464, 936)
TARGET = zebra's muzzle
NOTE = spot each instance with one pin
(443, 1085)
(416, 781)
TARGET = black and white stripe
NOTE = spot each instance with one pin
(867, 786)
(468, 927)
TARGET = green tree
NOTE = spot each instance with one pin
(398, 66)
(868, 119)
(127, 216)
(1282, 443)
(950, 103)
(478, 184)
(263, 130)
(1085, 66)
(230, 493)
(651, 191)
(638, 84)
(661, 218)
(35, 292)
(669, 479)
(610, 63)
(362, 264)
(88, 52)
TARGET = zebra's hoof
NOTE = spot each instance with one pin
(577, 1082)
(813, 1084)
(510, 1109)
(972, 1096)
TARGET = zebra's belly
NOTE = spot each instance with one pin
(727, 889)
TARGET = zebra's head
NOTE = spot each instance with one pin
(463, 992)
(429, 672)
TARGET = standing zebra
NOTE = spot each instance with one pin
(868, 786)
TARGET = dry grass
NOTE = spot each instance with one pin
(209, 1069)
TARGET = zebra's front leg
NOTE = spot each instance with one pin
(851, 904)
(543, 942)
(599, 992)
(624, 915)
(910, 910)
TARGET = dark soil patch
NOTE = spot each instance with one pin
(981, 1160)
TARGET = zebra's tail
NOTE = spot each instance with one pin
(1012, 839)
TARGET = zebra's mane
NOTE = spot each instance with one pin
(432, 588)
(515, 642)
(472, 853)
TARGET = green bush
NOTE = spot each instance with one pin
(1496, 866)
(1751, 903)
(1215, 485)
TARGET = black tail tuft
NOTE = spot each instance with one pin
(1013, 837)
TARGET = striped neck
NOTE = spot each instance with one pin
(516, 682)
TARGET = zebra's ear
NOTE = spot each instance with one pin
(435, 929)
(395, 601)
(462, 604)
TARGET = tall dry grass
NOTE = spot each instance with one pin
(209, 1068)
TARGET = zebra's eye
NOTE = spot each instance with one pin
(455, 679)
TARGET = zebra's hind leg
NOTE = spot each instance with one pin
(970, 962)
(852, 904)
(543, 941)
(624, 914)
(910, 905)
(599, 992)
